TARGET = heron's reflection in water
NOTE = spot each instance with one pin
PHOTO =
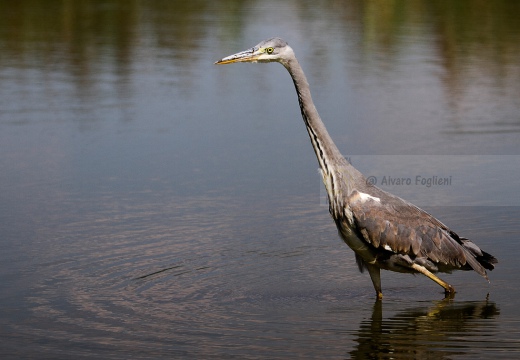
(437, 332)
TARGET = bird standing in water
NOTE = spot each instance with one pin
(384, 231)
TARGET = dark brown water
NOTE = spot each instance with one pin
(154, 205)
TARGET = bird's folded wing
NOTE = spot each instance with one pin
(395, 225)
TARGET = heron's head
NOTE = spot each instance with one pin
(272, 50)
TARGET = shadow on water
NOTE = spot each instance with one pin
(423, 332)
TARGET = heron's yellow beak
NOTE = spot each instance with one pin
(250, 55)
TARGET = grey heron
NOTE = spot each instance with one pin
(384, 231)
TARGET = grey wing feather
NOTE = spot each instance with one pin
(389, 222)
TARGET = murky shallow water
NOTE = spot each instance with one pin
(156, 206)
(157, 280)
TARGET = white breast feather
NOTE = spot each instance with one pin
(387, 247)
(364, 197)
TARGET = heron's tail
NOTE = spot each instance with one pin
(488, 261)
(484, 259)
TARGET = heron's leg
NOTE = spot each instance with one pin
(448, 289)
(375, 275)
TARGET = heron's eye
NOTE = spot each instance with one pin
(269, 50)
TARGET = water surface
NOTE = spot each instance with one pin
(154, 205)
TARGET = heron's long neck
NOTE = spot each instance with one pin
(325, 149)
(329, 157)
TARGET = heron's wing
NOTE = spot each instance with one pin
(388, 222)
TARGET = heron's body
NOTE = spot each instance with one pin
(383, 230)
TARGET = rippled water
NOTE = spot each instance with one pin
(154, 205)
